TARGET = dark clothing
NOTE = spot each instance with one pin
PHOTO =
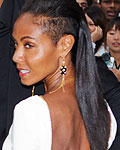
(111, 90)
(11, 90)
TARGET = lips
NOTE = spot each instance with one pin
(116, 44)
(111, 13)
(23, 72)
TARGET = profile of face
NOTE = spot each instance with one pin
(110, 8)
(113, 40)
(91, 24)
(36, 56)
(82, 3)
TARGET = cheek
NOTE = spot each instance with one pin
(104, 8)
(44, 62)
(118, 7)
(109, 41)
(92, 29)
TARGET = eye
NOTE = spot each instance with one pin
(111, 33)
(84, 5)
(13, 43)
(28, 45)
(107, 1)
(91, 24)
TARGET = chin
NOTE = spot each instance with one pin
(26, 83)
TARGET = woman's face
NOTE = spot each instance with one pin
(36, 56)
(82, 3)
(91, 24)
(113, 40)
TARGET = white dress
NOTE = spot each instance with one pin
(32, 128)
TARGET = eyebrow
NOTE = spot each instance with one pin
(27, 37)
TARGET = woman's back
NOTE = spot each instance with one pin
(68, 131)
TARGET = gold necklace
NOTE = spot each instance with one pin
(33, 89)
(61, 86)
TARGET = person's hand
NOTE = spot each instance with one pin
(116, 73)
(97, 34)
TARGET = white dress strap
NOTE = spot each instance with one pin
(113, 127)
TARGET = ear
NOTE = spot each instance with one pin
(65, 45)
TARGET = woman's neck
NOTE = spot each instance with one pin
(55, 81)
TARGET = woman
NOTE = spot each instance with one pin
(96, 21)
(11, 90)
(112, 40)
(53, 44)
(84, 3)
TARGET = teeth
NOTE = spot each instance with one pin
(24, 71)
(116, 43)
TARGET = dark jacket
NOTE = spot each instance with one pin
(111, 91)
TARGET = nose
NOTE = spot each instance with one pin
(117, 36)
(18, 56)
(112, 4)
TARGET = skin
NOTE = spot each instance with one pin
(34, 44)
(1, 1)
(91, 24)
(96, 31)
(110, 8)
(113, 41)
(82, 3)
(43, 59)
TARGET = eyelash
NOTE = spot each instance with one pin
(28, 46)
(111, 33)
(15, 44)
(90, 24)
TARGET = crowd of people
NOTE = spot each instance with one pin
(60, 74)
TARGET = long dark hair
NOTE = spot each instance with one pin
(98, 17)
(66, 17)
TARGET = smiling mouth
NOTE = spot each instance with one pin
(111, 13)
(23, 72)
(116, 44)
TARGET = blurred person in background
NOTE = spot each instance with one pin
(109, 72)
(84, 3)
(111, 8)
(96, 22)
(112, 41)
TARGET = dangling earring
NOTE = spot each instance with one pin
(63, 71)
(33, 89)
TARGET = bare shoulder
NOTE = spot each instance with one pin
(66, 122)
(59, 102)
(62, 106)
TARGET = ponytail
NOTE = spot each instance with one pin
(89, 93)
